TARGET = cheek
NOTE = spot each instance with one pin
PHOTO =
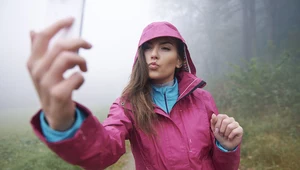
(147, 56)
(172, 61)
(169, 67)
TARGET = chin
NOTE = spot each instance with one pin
(154, 77)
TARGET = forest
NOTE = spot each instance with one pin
(249, 54)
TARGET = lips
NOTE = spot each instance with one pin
(153, 66)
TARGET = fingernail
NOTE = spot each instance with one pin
(31, 33)
(216, 130)
(70, 19)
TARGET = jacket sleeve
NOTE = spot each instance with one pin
(94, 145)
(222, 160)
(52, 135)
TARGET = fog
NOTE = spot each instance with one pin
(219, 34)
(248, 52)
(113, 27)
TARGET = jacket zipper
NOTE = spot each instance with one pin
(165, 96)
(201, 84)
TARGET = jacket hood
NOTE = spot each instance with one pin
(166, 29)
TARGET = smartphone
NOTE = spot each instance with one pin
(59, 9)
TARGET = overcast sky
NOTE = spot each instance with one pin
(112, 26)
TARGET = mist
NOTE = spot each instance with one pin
(113, 27)
(248, 52)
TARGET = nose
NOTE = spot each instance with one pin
(154, 53)
(153, 57)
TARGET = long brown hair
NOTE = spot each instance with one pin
(138, 91)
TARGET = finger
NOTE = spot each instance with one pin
(32, 35)
(54, 76)
(237, 132)
(225, 123)
(63, 90)
(72, 44)
(220, 118)
(60, 46)
(29, 62)
(217, 135)
(230, 127)
(42, 38)
(74, 81)
(66, 60)
(213, 121)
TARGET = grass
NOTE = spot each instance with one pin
(27, 153)
(271, 142)
(21, 150)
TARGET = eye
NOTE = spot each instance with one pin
(165, 48)
(146, 47)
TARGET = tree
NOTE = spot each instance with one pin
(249, 28)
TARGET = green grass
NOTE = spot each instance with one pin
(21, 150)
(271, 142)
(27, 153)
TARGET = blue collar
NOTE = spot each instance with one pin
(165, 95)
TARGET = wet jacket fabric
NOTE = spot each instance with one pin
(184, 139)
(163, 95)
(52, 135)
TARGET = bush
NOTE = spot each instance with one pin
(264, 96)
(259, 86)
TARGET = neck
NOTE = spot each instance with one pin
(170, 83)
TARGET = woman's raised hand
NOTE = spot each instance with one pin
(46, 67)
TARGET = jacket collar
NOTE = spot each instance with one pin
(187, 83)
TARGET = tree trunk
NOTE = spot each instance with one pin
(249, 28)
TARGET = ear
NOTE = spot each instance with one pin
(179, 63)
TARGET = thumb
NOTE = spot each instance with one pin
(218, 136)
(32, 35)
(213, 122)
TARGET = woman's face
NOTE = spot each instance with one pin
(162, 59)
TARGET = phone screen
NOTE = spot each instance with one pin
(59, 9)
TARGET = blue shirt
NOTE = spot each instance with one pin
(165, 95)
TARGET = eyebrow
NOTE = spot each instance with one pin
(165, 42)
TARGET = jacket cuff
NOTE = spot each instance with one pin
(83, 138)
(223, 149)
(52, 135)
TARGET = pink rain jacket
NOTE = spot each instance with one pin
(184, 139)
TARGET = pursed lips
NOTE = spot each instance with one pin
(153, 65)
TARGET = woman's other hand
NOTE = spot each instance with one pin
(226, 130)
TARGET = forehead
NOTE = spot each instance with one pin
(162, 39)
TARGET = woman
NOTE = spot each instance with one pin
(170, 121)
